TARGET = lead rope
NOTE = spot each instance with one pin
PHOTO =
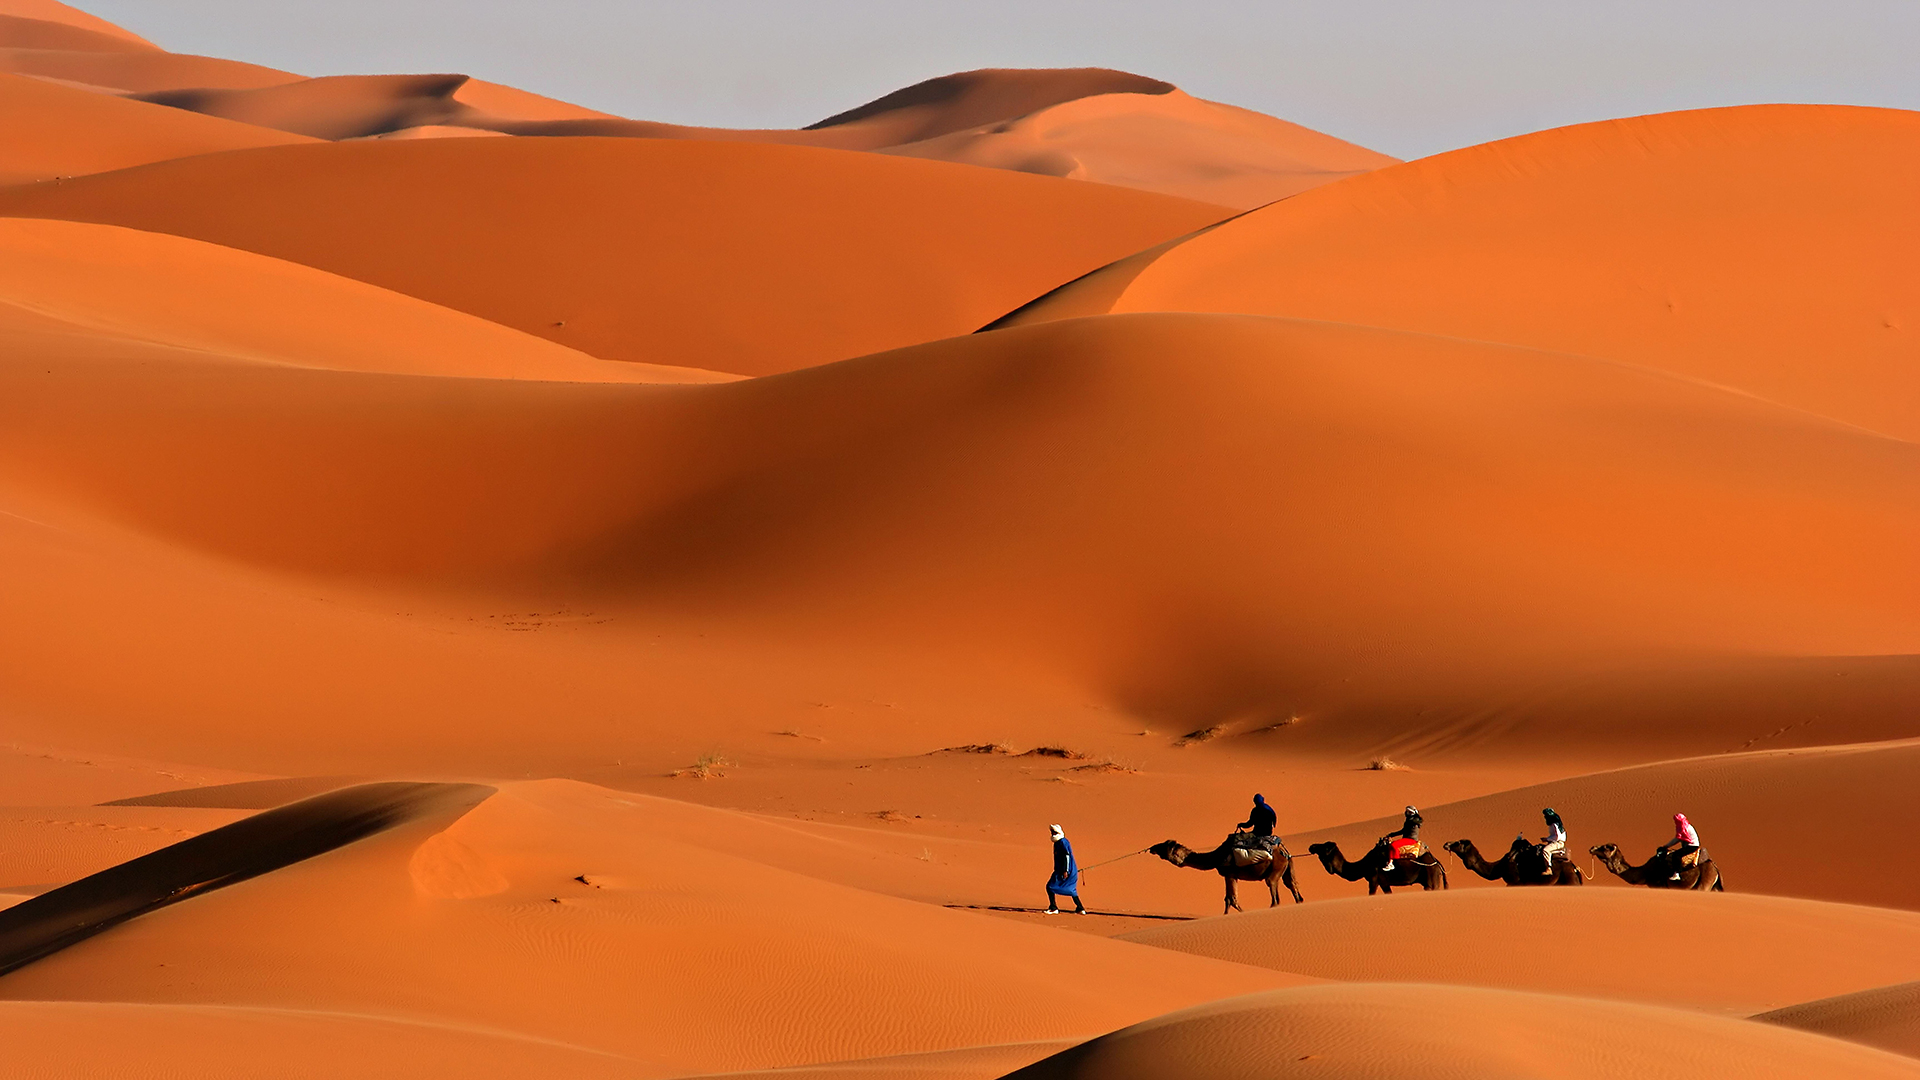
(1109, 862)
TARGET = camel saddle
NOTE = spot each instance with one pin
(1249, 850)
(1690, 860)
(1243, 856)
(1403, 848)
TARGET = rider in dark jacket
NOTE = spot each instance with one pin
(1409, 828)
(1261, 820)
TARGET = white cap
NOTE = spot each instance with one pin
(1058, 832)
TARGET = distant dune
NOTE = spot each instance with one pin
(1762, 248)
(59, 131)
(740, 258)
(53, 11)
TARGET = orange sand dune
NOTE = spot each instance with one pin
(1764, 248)
(1434, 1031)
(19, 32)
(138, 71)
(649, 250)
(261, 843)
(58, 131)
(660, 950)
(510, 103)
(1781, 821)
(970, 99)
(55, 12)
(360, 106)
(357, 106)
(72, 1040)
(1087, 123)
(69, 288)
(1887, 1017)
(1586, 942)
(335, 107)
(1170, 143)
(1581, 516)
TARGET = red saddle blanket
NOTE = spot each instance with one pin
(1404, 848)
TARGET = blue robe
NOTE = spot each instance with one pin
(1066, 872)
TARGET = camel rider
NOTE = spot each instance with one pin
(1406, 837)
(1260, 822)
(1555, 842)
(1689, 844)
(1066, 874)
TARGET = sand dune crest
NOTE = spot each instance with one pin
(57, 920)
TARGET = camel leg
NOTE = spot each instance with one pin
(1273, 889)
(1291, 887)
(1233, 901)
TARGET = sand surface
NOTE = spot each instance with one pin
(584, 599)
(732, 256)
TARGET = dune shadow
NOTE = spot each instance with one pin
(43, 925)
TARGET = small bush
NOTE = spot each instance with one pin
(708, 766)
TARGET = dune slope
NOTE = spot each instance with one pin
(1390, 1030)
(81, 290)
(1581, 515)
(551, 911)
(70, 1040)
(1168, 142)
(58, 131)
(268, 841)
(1759, 247)
(1769, 818)
(1586, 942)
(1085, 123)
(1886, 1016)
(56, 12)
(741, 258)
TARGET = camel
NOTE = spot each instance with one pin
(1273, 871)
(1519, 866)
(1424, 871)
(1656, 872)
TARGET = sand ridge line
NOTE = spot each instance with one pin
(42, 926)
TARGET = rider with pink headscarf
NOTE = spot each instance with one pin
(1688, 841)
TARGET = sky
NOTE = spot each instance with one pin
(1406, 77)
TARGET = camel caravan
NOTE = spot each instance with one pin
(1254, 852)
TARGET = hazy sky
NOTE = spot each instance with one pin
(1407, 77)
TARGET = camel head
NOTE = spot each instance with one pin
(1607, 853)
(1459, 847)
(1328, 852)
(1173, 851)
